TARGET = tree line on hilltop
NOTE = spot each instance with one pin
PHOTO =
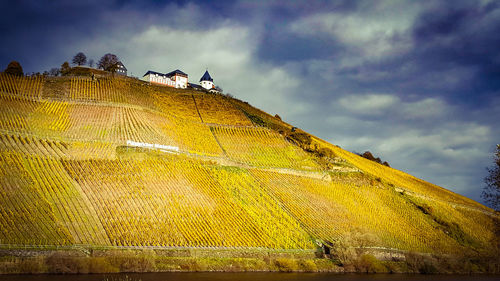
(108, 62)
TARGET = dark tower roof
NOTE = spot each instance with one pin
(206, 77)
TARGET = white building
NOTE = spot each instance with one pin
(176, 78)
(158, 78)
(180, 78)
(206, 81)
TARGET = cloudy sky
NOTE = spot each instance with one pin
(415, 82)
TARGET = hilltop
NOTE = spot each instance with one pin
(116, 174)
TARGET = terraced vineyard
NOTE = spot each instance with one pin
(117, 162)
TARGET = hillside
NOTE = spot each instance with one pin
(118, 163)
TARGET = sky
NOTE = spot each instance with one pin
(417, 83)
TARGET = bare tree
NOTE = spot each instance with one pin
(54, 71)
(491, 192)
(109, 62)
(14, 68)
(80, 59)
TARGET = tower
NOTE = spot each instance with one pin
(206, 81)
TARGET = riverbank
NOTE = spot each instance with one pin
(81, 260)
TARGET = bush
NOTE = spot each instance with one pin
(368, 155)
(369, 264)
(286, 265)
(193, 265)
(60, 262)
(101, 265)
(421, 264)
(308, 266)
(345, 249)
(428, 268)
(302, 139)
(130, 261)
(326, 152)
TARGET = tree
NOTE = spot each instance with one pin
(54, 71)
(80, 59)
(91, 63)
(368, 155)
(491, 192)
(14, 68)
(65, 68)
(109, 62)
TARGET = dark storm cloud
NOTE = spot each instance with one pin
(49, 28)
(455, 51)
(279, 44)
(35, 29)
(467, 37)
(280, 47)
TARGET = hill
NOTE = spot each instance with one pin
(116, 169)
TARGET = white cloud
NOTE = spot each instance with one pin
(163, 48)
(426, 108)
(392, 105)
(371, 104)
(451, 138)
(377, 31)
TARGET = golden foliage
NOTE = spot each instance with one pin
(68, 177)
(215, 109)
(21, 86)
(262, 147)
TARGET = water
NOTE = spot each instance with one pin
(216, 276)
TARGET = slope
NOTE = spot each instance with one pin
(117, 162)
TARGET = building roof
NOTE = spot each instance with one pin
(153, 72)
(177, 71)
(196, 86)
(206, 77)
(123, 66)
